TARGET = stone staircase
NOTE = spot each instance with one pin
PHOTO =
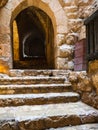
(42, 100)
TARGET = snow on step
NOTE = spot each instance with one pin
(31, 80)
(38, 99)
(78, 127)
(36, 88)
(32, 72)
(38, 117)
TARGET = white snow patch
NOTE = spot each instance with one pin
(66, 47)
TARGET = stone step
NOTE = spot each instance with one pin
(41, 117)
(37, 88)
(31, 80)
(38, 99)
(31, 72)
(78, 127)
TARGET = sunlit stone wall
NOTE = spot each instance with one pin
(68, 23)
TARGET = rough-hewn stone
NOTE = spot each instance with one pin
(65, 51)
(67, 17)
(95, 81)
(31, 80)
(38, 99)
(14, 89)
(87, 86)
(93, 67)
(79, 127)
(40, 117)
(3, 2)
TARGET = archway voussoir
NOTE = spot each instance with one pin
(52, 8)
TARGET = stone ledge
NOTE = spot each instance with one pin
(38, 99)
(40, 117)
(31, 80)
(37, 88)
(79, 127)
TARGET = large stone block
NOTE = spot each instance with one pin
(72, 15)
(71, 65)
(60, 39)
(4, 68)
(61, 63)
(71, 9)
(65, 51)
(71, 39)
(80, 81)
(82, 2)
(64, 63)
(67, 2)
(5, 50)
(95, 81)
(93, 67)
(3, 2)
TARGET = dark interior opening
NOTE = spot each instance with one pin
(34, 30)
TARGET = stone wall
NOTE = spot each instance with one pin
(86, 83)
(9, 12)
(68, 23)
(87, 86)
(76, 11)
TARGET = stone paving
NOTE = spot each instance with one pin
(45, 111)
(38, 99)
(41, 117)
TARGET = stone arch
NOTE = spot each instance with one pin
(54, 11)
(52, 8)
(25, 4)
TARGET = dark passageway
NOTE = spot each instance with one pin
(35, 40)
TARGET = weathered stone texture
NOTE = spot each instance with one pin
(93, 67)
(67, 18)
(64, 64)
(65, 51)
(95, 81)
(87, 86)
(93, 71)
(40, 117)
(81, 81)
(78, 127)
(3, 2)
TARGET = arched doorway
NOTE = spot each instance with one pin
(33, 38)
